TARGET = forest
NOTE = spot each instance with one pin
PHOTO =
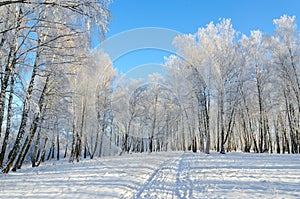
(224, 90)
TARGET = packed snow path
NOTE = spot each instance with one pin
(170, 180)
(224, 176)
(160, 175)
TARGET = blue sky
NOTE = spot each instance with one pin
(186, 16)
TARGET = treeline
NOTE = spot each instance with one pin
(44, 46)
(246, 88)
(224, 91)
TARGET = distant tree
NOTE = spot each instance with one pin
(286, 57)
(259, 70)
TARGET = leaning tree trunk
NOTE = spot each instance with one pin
(4, 85)
(8, 122)
(17, 145)
(33, 128)
(42, 157)
(36, 149)
(9, 66)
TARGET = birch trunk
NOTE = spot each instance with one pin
(8, 122)
(17, 145)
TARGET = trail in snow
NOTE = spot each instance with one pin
(161, 175)
(224, 176)
(169, 181)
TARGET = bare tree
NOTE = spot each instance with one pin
(36, 37)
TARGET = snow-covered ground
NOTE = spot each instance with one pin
(160, 175)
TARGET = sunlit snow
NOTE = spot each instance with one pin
(160, 175)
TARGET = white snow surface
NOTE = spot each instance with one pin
(160, 175)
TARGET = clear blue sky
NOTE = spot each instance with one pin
(186, 16)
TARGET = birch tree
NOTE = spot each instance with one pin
(285, 47)
(37, 35)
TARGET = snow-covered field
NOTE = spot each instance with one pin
(160, 175)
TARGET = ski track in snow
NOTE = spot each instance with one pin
(160, 175)
(169, 181)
